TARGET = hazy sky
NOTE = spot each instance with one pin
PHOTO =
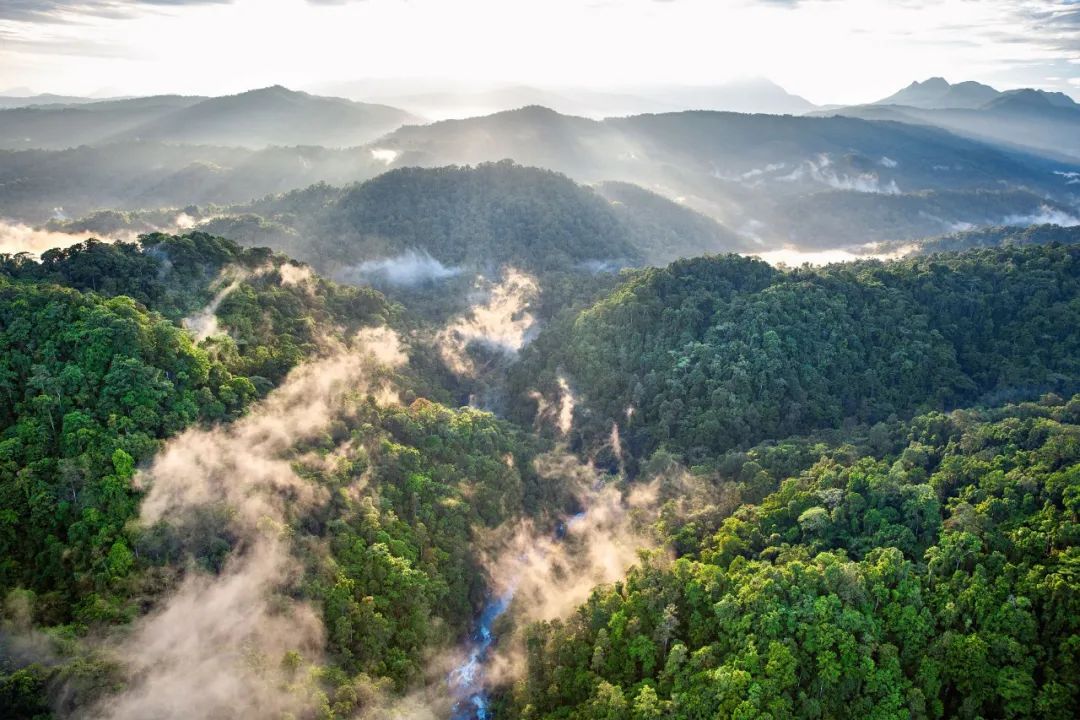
(826, 50)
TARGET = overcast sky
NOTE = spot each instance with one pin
(839, 51)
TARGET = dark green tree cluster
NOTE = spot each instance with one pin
(167, 273)
(485, 216)
(1000, 235)
(89, 387)
(92, 380)
(274, 318)
(935, 581)
(411, 499)
(479, 218)
(714, 353)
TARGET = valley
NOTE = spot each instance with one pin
(552, 389)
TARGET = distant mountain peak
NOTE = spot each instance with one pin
(271, 90)
(532, 112)
(932, 83)
(1029, 98)
(937, 93)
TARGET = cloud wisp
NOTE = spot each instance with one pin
(216, 647)
(409, 269)
(19, 238)
(499, 320)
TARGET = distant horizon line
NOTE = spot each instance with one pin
(450, 86)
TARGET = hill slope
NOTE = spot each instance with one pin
(823, 182)
(479, 218)
(713, 353)
(759, 173)
(272, 116)
(878, 574)
(1046, 122)
(254, 119)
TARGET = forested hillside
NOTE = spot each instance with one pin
(817, 182)
(101, 382)
(713, 353)
(188, 423)
(274, 314)
(486, 216)
(996, 237)
(539, 360)
(97, 372)
(924, 570)
(90, 387)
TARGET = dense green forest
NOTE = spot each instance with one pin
(485, 380)
(922, 569)
(856, 506)
(713, 353)
(90, 386)
(96, 372)
(479, 217)
(273, 316)
(996, 237)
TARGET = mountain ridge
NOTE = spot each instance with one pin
(254, 119)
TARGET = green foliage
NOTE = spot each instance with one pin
(90, 384)
(89, 387)
(412, 494)
(170, 274)
(481, 217)
(1002, 235)
(714, 353)
(918, 567)
(934, 581)
(492, 214)
(22, 693)
(274, 317)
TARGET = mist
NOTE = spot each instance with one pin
(604, 431)
(204, 323)
(409, 269)
(498, 319)
(822, 170)
(790, 256)
(217, 646)
(1045, 215)
(20, 238)
(550, 574)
